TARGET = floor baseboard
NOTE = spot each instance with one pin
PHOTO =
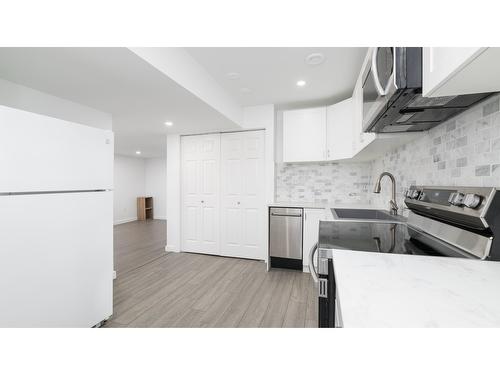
(123, 221)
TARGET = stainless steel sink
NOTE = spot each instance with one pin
(365, 215)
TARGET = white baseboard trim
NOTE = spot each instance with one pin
(123, 221)
(171, 249)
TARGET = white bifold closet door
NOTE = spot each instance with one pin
(242, 195)
(200, 193)
(223, 203)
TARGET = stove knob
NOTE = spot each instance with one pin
(458, 199)
(472, 200)
(451, 198)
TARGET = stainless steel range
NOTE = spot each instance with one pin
(443, 221)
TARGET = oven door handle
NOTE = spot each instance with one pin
(312, 270)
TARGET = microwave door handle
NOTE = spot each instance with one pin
(312, 270)
(376, 79)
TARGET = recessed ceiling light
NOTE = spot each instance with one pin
(245, 90)
(315, 59)
(233, 75)
(168, 123)
(137, 152)
(301, 83)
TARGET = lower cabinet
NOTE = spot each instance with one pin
(312, 217)
(223, 202)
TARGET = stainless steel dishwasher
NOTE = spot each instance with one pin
(285, 237)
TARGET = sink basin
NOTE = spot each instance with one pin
(353, 214)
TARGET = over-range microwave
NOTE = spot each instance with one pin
(392, 94)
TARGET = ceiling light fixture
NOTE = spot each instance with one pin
(168, 123)
(233, 75)
(315, 59)
(137, 152)
(301, 83)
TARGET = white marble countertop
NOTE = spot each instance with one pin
(395, 290)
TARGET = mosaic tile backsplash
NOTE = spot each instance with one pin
(323, 182)
(462, 151)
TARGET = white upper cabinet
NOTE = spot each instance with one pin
(339, 130)
(457, 71)
(304, 133)
(359, 138)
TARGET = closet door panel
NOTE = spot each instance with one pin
(242, 195)
(200, 193)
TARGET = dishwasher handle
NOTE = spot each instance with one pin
(312, 270)
(287, 215)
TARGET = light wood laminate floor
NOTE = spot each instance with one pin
(138, 243)
(194, 290)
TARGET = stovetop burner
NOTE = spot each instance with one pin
(372, 237)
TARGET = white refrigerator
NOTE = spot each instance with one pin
(56, 222)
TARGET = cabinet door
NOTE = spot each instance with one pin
(242, 195)
(304, 132)
(312, 218)
(200, 193)
(339, 130)
(441, 64)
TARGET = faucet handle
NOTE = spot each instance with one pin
(394, 207)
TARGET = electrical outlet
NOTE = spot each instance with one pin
(114, 275)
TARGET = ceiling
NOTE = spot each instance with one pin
(269, 75)
(141, 98)
(117, 81)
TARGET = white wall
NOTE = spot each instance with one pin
(173, 192)
(135, 177)
(130, 183)
(27, 99)
(156, 185)
(263, 117)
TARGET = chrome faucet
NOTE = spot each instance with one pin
(393, 207)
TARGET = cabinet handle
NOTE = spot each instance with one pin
(202, 201)
(238, 202)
